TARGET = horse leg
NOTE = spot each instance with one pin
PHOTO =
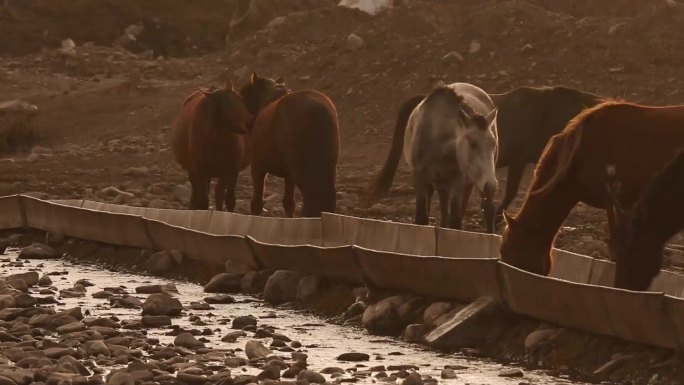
(193, 193)
(513, 178)
(423, 197)
(443, 193)
(219, 194)
(465, 198)
(460, 192)
(202, 199)
(289, 197)
(231, 185)
(258, 180)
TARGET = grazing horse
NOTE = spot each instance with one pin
(209, 141)
(528, 117)
(639, 237)
(449, 140)
(638, 140)
(296, 137)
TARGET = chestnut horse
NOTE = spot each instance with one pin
(295, 137)
(528, 117)
(638, 140)
(208, 140)
(638, 241)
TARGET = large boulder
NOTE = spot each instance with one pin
(282, 286)
(161, 304)
(39, 251)
(160, 263)
(254, 282)
(255, 349)
(481, 321)
(224, 283)
(390, 315)
(31, 278)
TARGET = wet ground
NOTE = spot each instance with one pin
(322, 342)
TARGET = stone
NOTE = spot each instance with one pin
(390, 315)
(31, 278)
(219, 299)
(413, 379)
(224, 283)
(156, 321)
(159, 263)
(415, 332)
(38, 251)
(71, 328)
(453, 57)
(308, 287)
(156, 289)
(538, 336)
(243, 321)
(434, 311)
(354, 42)
(254, 282)
(480, 321)
(448, 374)
(475, 47)
(353, 357)
(255, 349)
(513, 372)
(45, 281)
(161, 304)
(94, 348)
(7, 301)
(187, 340)
(281, 287)
(121, 378)
(311, 377)
(24, 300)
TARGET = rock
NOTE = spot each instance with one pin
(434, 311)
(31, 278)
(353, 357)
(311, 377)
(19, 284)
(224, 283)
(141, 171)
(453, 57)
(355, 309)
(68, 48)
(538, 336)
(390, 315)
(243, 321)
(308, 287)
(371, 7)
(7, 301)
(24, 300)
(220, 299)
(156, 321)
(413, 379)
(94, 348)
(481, 320)
(38, 251)
(233, 267)
(415, 332)
(45, 281)
(448, 374)
(121, 378)
(354, 42)
(159, 263)
(71, 328)
(281, 287)
(511, 373)
(475, 47)
(255, 349)
(161, 304)
(113, 192)
(187, 340)
(254, 282)
(155, 289)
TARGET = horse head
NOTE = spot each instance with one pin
(259, 92)
(520, 247)
(228, 109)
(476, 152)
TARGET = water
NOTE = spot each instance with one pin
(322, 342)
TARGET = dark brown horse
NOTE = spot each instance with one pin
(637, 140)
(638, 241)
(295, 137)
(528, 117)
(209, 141)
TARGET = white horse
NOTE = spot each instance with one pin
(450, 144)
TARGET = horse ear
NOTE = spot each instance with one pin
(464, 116)
(254, 77)
(491, 116)
(206, 92)
(280, 80)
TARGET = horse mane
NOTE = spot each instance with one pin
(448, 93)
(559, 153)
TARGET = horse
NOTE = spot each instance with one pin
(296, 137)
(528, 117)
(571, 170)
(640, 234)
(449, 140)
(210, 140)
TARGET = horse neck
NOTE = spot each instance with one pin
(272, 99)
(544, 214)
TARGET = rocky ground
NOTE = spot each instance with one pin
(105, 98)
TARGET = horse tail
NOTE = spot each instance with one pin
(559, 154)
(383, 181)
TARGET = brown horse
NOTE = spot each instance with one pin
(528, 117)
(295, 137)
(209, 141)
(638, 140)
(638, 241)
